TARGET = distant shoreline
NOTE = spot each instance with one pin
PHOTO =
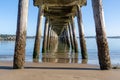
(13, 37)
(9, 37)
(107, 37)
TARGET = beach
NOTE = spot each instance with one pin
(68, 40)
(56, 71)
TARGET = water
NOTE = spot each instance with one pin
(7, 50)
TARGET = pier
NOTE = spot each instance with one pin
(60, 28)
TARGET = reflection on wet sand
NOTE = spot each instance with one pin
(84, 61)
(60, 52)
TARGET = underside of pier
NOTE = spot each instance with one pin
(59, 12)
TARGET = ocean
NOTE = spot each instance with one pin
(7, 51)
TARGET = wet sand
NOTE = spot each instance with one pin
(56, 71)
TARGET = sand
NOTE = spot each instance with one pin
(56, 71)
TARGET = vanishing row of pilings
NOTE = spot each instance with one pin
(103, 50)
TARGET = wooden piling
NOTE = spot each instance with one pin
(74, 36)
(71, 37)
(81, 34)
(67, 37)
(48, 37)
(44, 48)
(64, 37)
(50, 41)
(103, 49)
(38, 36)
(19, 54)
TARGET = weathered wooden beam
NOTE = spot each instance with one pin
(52, 13)
(103, 49)
(56, 20)
(59, 24)
(69, 10)
(66, 8)
(19, 54)
(38, 36)
(59, 17)
(59, 2)
(81, 34)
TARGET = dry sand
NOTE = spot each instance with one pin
(55, 71)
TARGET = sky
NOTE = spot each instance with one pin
(9, 9)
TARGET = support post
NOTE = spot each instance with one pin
(48, 38)
(38, 36)
(102, 44)
(19, 54)
(71, 37)
(81, 34)
(74, 37)
(45, 36)
(67, 37)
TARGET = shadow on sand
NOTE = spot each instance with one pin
(6, 67)
(62, 68)
(50, 68)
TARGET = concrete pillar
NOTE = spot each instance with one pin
(38, 36)
(74, 36)
(44, 48)
(81, 34)
(102, 44)
(19, 54)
